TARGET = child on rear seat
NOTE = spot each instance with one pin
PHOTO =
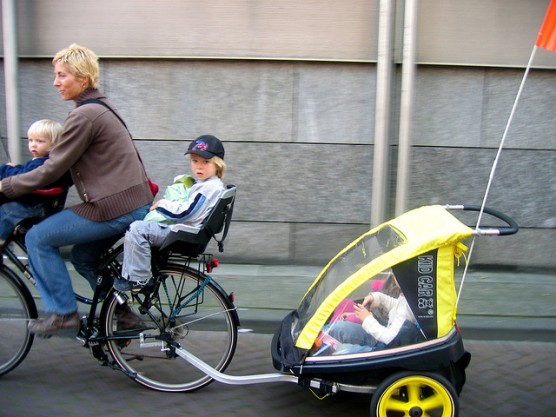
(208, 166)
(42, 135)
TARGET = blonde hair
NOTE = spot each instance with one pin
(220, 166)
(46, 129)
(81, 63)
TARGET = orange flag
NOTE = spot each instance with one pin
(547, 34)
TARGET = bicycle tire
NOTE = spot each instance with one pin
(16, 308)
(207, 328)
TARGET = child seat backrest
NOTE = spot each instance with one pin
(54, 199)
(191, 241)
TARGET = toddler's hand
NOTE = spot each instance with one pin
(347, 316)
(154, 206)
(368, 300)
(361, 312)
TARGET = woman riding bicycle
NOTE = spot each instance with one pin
(109, 177)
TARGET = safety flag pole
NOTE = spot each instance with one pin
(546, 39)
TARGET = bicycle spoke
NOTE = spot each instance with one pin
(16, 308)
(186, 309)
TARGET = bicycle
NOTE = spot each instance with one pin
(181, 306)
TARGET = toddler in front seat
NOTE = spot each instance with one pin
(41, 137)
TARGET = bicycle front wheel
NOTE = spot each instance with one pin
(16, 308)
(186, 307)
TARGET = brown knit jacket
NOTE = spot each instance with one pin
(104, 165)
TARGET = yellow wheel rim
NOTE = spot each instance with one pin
(416, 396)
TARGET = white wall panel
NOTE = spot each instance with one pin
(315, 29)
(481, 32)
(470, 32)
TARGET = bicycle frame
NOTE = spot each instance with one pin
(164, 324)
(24, 269)
(180, 305)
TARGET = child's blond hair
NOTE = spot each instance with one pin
(220, 166)
(46, 129)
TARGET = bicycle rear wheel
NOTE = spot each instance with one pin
(186, 307)
(16, 308)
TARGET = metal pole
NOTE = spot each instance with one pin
(9, 21)
(382, 114)
(406, 104)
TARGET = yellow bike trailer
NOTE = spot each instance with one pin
(380, 319)
(412, 359)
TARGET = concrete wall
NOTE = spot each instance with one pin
(453, 32)
(299, 133)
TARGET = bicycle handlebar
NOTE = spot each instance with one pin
(510, 229)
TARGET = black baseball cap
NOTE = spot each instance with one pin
(206, 146)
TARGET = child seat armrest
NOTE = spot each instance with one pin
(50, 191)
(180, 227)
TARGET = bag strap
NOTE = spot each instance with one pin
(102, 103)
(152, 185)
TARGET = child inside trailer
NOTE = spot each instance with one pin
(383, 319)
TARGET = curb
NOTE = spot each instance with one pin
(472, 327)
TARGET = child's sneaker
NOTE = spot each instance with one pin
(122, 284)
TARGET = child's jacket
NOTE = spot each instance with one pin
(188, 205)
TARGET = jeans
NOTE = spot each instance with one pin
(138, 241)
(352, 333)
(12, 212)
(352, 338)
(89, 239)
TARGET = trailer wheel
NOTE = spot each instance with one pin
(410, 394)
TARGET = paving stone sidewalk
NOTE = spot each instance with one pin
(60, 378)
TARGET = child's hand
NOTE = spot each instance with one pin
(154, 206)
(361, 312)
(368, 300)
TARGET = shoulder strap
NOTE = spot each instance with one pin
(102, 103)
